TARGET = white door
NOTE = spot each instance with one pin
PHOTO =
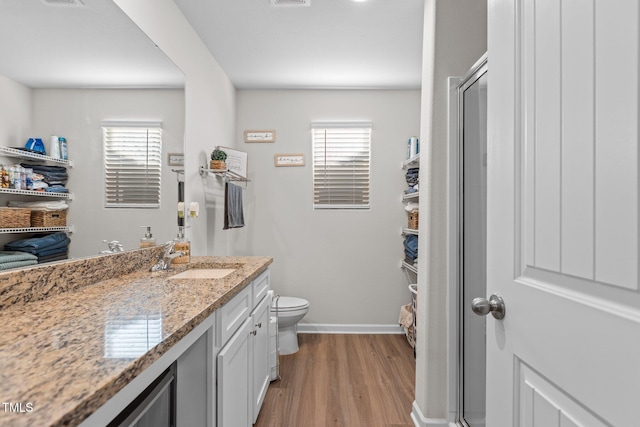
(261, 371)
(563, 119)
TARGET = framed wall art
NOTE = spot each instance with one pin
(289, 159)
(259, 136)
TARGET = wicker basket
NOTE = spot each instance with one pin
(217, 165)
(49, 218)
(15, 218)
(413, 220)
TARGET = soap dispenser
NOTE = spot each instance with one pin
(148, 240)
(181, 244)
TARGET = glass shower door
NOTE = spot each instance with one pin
(473, 216)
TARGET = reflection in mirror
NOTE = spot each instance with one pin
(129, 337)
(72, 68)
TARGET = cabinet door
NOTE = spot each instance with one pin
(260, 355)
(233, 379)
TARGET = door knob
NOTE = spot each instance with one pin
(495, 306)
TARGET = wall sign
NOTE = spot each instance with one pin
(175, 159)
(289, 159)
(259, 136)
(236, 161)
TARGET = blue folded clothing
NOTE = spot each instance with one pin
(52, 251)
(411, 255)
(36, 243)
(15, 256)
(56, 190)
(411, 242)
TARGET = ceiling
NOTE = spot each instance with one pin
(66, 46)
(328, 44)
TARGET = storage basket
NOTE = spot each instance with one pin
(48, 218)
(411, 332)
(413, 220)
(15, 218)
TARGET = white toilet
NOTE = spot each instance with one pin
(290, 310)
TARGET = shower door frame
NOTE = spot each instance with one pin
(456, 218)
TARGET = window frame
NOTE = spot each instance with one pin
(153, 163)
(360, 167)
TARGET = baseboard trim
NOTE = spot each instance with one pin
(419, 420)
(325, 328)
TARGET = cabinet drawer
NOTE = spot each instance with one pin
(231, 315)
(261, 286)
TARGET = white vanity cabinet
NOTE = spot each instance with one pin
(243, 361)
(260, 356)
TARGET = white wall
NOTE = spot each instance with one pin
(77, 114)
(455, 36)
(209, 106)
(346, 263)
(15, 113)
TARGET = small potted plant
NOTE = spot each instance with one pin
(217, 160)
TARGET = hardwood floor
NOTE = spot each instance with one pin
(343, 380)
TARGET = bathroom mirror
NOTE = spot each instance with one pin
(68, 66)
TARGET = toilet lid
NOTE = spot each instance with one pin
(290, 303)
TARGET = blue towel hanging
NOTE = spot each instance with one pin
(233, 213)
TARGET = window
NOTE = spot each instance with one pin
(133, 164)
(341, 165)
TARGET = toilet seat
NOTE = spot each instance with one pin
(290, 304)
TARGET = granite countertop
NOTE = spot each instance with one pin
(59, 356)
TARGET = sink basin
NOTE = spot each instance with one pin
(204, 273)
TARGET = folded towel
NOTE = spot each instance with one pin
(57, 190)
(53, 205)
(61, 248)
(13, 256)
(233, 213)
(35, 243)
(16, 264)
(54, 257)
(406, 316)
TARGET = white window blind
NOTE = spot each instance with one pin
(341, 165)
(129, 337)
(133, 165)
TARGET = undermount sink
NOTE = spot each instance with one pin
(204, 273)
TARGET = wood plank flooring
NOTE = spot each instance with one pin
(343, 380)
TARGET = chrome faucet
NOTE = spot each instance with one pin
(168, 255)
(114, 246)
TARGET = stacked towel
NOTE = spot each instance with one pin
(233, 213)
(54, 176)
(411, 247)
(413, 180)
(43, 247)
(14, 259)
(47, 205)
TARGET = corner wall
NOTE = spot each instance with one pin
(455, 37)
(209, 107)
(16, 110)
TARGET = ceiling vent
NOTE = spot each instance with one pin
(283, 3)
(74, 3)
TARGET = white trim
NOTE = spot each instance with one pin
(344, 125)
(326, 328)
(420, 420)
(131, 124)
(453, 231)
